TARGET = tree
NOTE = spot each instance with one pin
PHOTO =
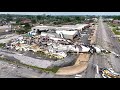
(39, 17)
(22, 31)
(27, 26)
(9, 18)
(33, 21)
(18, 21)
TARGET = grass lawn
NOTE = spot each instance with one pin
(116, 32)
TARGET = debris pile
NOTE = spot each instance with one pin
(109, 73)
(52, 41)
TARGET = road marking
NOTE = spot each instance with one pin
(97, 69)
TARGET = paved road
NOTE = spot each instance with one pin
(105, 41)
(85, 35)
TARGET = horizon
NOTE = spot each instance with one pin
(62, 13)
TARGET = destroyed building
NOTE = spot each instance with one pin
(52, 40)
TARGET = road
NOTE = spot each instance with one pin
(105, 41)
(85, 35)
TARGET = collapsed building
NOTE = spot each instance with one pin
(77, 27)
(52, 39)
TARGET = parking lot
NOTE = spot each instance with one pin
(9, 70)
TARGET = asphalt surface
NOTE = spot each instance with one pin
(85, 35)
(9, 70)
(5, 33)
(104, 40)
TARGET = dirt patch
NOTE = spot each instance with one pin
(79, 66)
(82, 58)
(71, 70)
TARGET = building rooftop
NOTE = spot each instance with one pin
(64, 27)
(67, 32)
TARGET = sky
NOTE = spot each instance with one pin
(63, 13)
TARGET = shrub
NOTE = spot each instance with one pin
(2, 44)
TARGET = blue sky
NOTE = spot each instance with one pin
(63, 13)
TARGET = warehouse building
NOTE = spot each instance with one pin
(61, 34)
(67, 34)
(64, 27)
(65, 31)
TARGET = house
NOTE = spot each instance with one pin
(40, 28)
(12, 22)
(26, 21)
(116, 21)
(5, 28)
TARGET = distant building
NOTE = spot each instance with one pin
(75, 27)
(5, 28)
(26, 21)
(12, 22)
(65, 31)
(64, 27)
(116, 21)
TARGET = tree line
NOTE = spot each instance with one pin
(47, 19)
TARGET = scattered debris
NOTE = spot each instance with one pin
(116, 55)
(109, 73)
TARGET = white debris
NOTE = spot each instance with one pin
(85, 49)
(78, 76)
(98, 50)
(117, 55)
